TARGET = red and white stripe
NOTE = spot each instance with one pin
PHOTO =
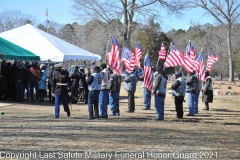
(113, 58)
(148, 78)
(148, 75)
(201, 75)
(175, 58)
(138, 55)
(129, 65)
(211, 60)
(162, 53)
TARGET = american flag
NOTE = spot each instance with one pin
(190, 62)
(175, 57)
(46, 13)
(128, 59)
(193, 57)
(138, 55)
(200, 67)
(148, 77)
(192, 52)
(113, 56)
(211, 60)
(162, 53)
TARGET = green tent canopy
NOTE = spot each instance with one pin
(11, 51)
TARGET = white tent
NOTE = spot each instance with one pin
(45, 45)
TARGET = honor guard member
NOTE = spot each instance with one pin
(115, 86)
(178, 90)
(191, 89)
(159, 91)
(197, 95)
(104, 93)
(94, 82)
(207, 96)
(61, 85)
(130, 87)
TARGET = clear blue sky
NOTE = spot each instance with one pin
(59, 11)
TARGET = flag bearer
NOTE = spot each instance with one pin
(159, 91)
(179, 89)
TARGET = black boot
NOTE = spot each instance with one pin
(206, 106)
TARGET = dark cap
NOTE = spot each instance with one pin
(93, 63)
(76, 68)
(206, 73)
(159, 69)
(153, 68)
(103, 65)
(178, 74)
(96, 68)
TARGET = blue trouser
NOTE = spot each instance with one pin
(191, 106)
(114, 102)
(147, 98)
(64, 99)
(20, 90)
(93, 103)
(159, 105)
(36, 86)
(103, 102)
(196, 102)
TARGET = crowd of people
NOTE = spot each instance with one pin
(18, 77)
(99, 87)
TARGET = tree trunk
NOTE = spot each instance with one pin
(229, 54)
(221, 69)
(124, 3)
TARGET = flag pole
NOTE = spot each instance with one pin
(157, 62)
(47, 19)
(158, 57)
(107, 45)
(166, 56)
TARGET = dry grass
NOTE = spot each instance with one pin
(32, 128)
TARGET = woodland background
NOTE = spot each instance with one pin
(132, 21)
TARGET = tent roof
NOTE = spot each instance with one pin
(46, 45)
(11, 51)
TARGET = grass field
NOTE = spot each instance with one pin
(30, 131)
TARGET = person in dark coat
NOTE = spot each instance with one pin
(94, 84)
(83, 87)
(191, 89)
(50, 83)
(179, 89)
(20, 80)
(34, 77)
(207, 91)
(13, 90)
(27, 85)
(115, 87)
(75, 77)
(87, 74)
(4, 80)
(159, 92)
(61, 83)
(130, 86)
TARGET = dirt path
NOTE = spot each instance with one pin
(30, 131)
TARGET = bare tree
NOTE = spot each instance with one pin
(10, 19)
(227, 13)
(127, 11)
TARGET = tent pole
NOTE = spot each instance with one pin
(1, 58)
